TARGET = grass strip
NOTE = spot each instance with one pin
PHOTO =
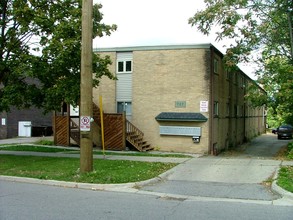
(285, 178)
(67, 169)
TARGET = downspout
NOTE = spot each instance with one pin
(244, 111)
(211, 103)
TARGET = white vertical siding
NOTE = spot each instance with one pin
(124, 56)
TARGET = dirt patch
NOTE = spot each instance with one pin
(282, 153)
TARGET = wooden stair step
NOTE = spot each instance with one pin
(147, 148)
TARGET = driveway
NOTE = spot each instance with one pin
(237, 175)
(265, 146)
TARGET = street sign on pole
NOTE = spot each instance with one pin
(85, 123)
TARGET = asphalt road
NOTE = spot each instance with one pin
(24, 201)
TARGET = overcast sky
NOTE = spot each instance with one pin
(153, 22)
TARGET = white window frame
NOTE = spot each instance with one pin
(124, 66)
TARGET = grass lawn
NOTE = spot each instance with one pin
(285, 179)
(67, 169)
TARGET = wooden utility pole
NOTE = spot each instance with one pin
(86, 96)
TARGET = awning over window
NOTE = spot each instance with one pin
(181, 116)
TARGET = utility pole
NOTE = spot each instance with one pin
(86, 88)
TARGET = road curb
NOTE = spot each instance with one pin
(90, 186)
(284, 193)
(125, 187)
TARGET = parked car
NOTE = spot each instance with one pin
(285, 131)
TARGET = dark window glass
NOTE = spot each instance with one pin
(120, 66)
(128, 66)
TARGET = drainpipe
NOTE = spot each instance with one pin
(211, 103)
(244, 111)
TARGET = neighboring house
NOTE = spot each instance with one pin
(181, 97)
(25, 123)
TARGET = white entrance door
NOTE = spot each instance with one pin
(24, 129)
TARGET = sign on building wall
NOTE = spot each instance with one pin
(180, 104)
(204, 106)
(3, 121)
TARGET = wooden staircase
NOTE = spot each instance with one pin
(136, 138)
(133, 135)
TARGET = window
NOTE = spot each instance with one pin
(216, 108)
(235, 78)
(124, 66)
(128, 66)
(216, 66)
(235, 111)
(241, 82)
(228, 76)
(227, 109)
(125, 107)
(120, 66)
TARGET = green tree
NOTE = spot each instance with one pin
(40, 48)
(262, 31)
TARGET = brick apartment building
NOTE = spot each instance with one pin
(181, 97)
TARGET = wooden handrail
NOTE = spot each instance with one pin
(73, 125)
(130, 128)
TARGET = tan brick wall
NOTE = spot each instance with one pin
(107, 88)
(159, 79)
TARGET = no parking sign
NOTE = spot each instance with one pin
(85, 123)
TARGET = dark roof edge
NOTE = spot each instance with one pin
(154, 47)
(203, 120)
(181, 116)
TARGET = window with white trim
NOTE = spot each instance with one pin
(124, 66)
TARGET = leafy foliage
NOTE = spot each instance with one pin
(262, 31)
(40, 52)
